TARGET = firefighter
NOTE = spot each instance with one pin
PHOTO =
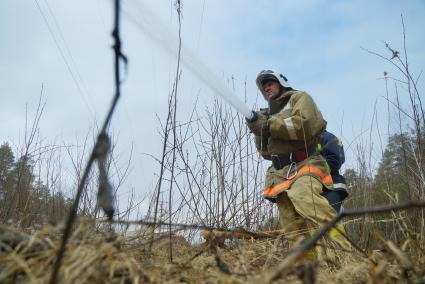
(287, 133)
(332, 150)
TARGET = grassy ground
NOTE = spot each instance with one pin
(95, 256)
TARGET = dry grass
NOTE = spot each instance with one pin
(96, 256)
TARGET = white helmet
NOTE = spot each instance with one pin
(271, 75)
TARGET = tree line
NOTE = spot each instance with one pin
(26, 200)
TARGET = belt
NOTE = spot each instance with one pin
(281, 160)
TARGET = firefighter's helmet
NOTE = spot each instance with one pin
(266, 75)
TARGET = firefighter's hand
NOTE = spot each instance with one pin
(259, 126)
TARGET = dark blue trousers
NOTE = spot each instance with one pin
(334, 197)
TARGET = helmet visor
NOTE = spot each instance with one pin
(268, 78)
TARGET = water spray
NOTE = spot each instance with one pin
(160, 33)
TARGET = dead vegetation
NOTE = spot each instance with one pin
(97, 255)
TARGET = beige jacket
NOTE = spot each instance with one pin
(293, 121)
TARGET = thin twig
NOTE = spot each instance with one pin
(72, 215)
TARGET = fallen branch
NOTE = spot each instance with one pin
(178, 226)
(241, 234)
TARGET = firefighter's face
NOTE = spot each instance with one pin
(272, 89)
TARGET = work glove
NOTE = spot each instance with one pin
(259, 124)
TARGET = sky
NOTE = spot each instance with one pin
(65, 46)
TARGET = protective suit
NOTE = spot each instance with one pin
(287, 133)
(332, 150)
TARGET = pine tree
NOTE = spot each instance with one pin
(395, 171)
(7, 161)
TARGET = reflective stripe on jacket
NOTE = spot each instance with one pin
(294, 121)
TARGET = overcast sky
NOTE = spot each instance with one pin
(65, 45)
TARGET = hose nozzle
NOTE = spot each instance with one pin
(253, 117)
